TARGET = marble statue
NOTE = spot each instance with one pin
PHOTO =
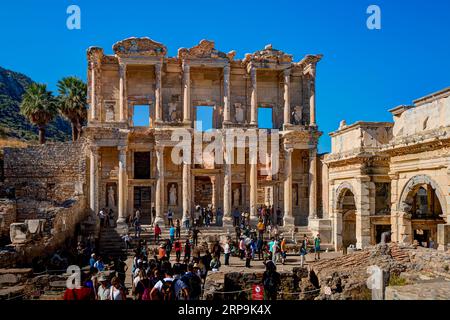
(109, 116)
(173, 195)
(239, 113)
(172, 111)
(111, 198)
(297, 115)
(236, 197)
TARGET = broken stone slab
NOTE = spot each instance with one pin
(18, 233)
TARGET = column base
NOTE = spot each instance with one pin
(227, 222)
(288, 221)
(159, 221)
(122, 226)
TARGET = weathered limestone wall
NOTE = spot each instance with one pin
(54, 171)
(7, 216)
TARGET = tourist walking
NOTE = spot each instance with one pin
(157, 233)
(317, 247)
(170, 217)
(172, 231)
(187, 251)
(219, 217)
(236, 217)
(187, 224)
(271, 281)
(103, 291)
(195, 233)
(193, 282)
(248, 256)
(177, 246)
(117, 291)
(177, 228)
(101, 216)
(169, 288)
(241, 248)
(215, 264)
(227, 251)
(283, 251)
(303, 253)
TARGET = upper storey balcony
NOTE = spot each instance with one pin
(140, 87)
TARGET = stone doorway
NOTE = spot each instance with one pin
(203, 191)
(143, 202)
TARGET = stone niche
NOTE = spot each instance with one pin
(24, 232)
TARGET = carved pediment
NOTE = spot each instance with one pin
(139, 47)
(268, 55)
(204, 50)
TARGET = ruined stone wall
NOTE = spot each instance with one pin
(7, 216)
(54, 171)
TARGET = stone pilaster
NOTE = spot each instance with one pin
(122, 188)
(186, 192)
(186, 93)
(123, 96)
(253, 177)
(227, 219)
(158, 94)
(214, 189)
(287, 100)
(362, 212)
(254, 97)
(288, 218)
(312, 184)
(93, 181)
(312, 97)
(159, 198)
(226, 94)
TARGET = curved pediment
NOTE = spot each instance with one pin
(204, 50)
(139, 47)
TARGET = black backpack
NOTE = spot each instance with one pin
(194, 284)
(168, 290)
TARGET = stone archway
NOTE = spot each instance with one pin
(345, 217)
(421, 207)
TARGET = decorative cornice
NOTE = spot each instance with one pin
(204, 50)
(268, 55)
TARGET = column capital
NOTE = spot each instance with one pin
(122, 149)
(226, 69)
(159, 148)
(287, 72)
(122, 69)
(94, 148)
(186, 67)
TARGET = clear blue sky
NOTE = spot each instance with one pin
(363, 72)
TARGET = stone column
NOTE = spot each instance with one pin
(123, 101)
(93, 181)
(227, 219)
(253, 158)
(158, 95)
(288, 218)
(93, 91)
(312, 184)
(186, 93)
(159, 185)
(254, 98)
(287, 100)
(213, 196)
(186, 192)
(226, 93)
(312, 97)
(122, 187)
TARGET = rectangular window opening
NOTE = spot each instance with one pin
(141, 116)
(204, 118)
(265, 120)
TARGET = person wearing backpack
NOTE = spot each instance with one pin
(140, 283)
(271, 281)
(193, 283)
(169, 288)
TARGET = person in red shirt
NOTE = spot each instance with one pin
(157, 232)
(178, 247)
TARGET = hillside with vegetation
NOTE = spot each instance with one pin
(15, 129)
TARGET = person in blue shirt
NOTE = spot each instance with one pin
(99, 265)
(92, 261)
(172, 234)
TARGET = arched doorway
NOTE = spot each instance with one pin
(345, 218)
(421, 211)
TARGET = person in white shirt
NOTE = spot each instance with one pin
(226, 250)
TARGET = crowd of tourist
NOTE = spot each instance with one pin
(155, 277)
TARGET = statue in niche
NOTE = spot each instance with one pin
(109, 114)
(173, 195)
(239, 113)
(236, 195)
(111, 198)
(172, 111)
(297, 115)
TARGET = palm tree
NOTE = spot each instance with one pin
(72, 103)
(38, 105)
